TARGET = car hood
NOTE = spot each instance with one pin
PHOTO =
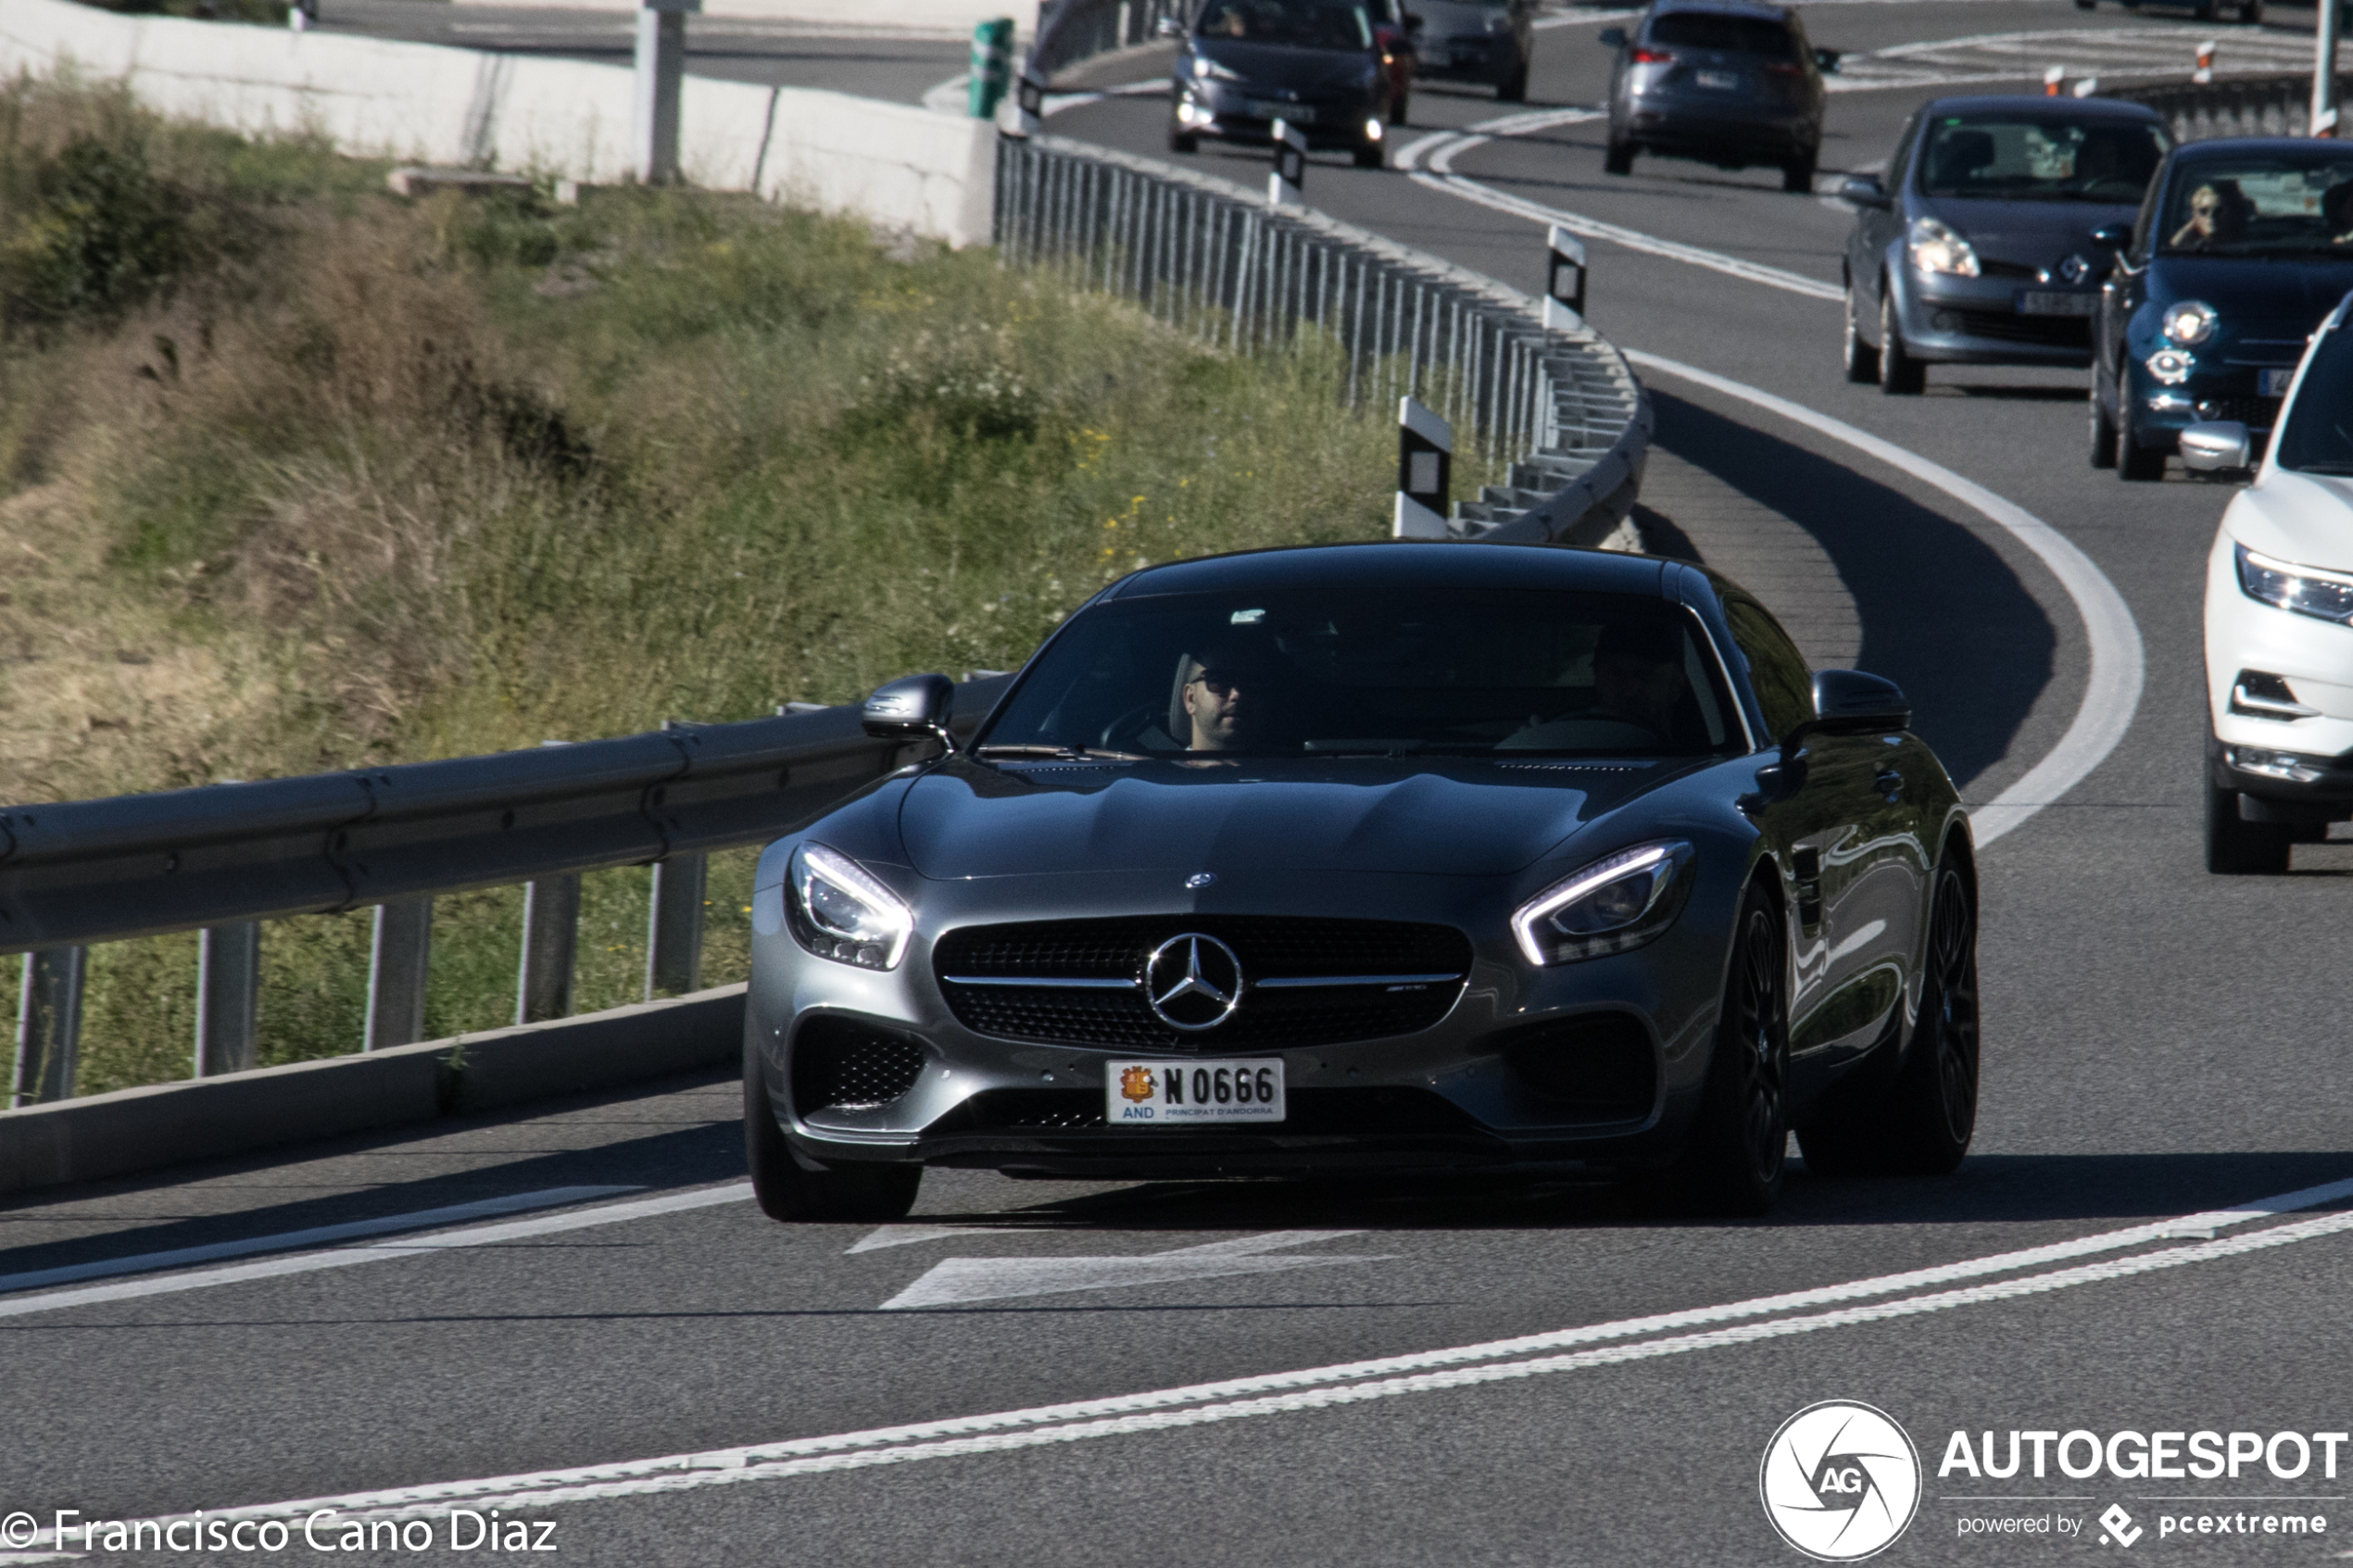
(2030, 234)
(2306, 519)
(2286, 297)
(1472, 819)
(1275, 67)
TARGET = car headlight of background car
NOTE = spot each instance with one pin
(1935, 248)
(2190, 322)
(1206, 66)
(1618, 902)
(840, 911)
(2326, 596)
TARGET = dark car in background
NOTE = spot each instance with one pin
(1487, 42)
(1723, 81)
(1975, 247)
(2240, 252)
(1317, 65)
(1376, 859)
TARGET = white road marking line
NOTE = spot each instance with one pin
(318, 1235)
(906, 1236)
(951, 96)
(1213, 1402)
(348, 1256)
(2111, 691)
(954, 1280)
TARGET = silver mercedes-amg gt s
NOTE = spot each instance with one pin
(1377, 858)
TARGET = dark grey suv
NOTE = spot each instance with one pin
(1725, 81)
(1483, 41)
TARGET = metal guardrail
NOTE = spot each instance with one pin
(2236, 105)
(1213, 260)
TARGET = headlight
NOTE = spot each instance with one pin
(1936, 248)
(2190, 322)
(1204, 65)
(2324, 595)
(1610, 906)
(2171, 366)
(841, 912)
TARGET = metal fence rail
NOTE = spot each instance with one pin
(1215, 262)
(2238, 105)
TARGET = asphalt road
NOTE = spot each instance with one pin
(2159, 1042)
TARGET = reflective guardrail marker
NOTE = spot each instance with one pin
(1425, 473)
(1284, 185)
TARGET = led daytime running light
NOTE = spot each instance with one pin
(1663, 864)
(844, 912)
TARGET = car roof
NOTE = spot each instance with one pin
(2023, 102)
(1723, 8)
(2239, 146)
(1405, 564)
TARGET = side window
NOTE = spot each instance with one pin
(1901, 160)
(2142, 243)
(1776, 671)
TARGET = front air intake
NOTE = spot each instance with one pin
(847, 1064)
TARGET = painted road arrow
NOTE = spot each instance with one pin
(988, 1279)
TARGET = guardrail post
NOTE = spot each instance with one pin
(399, 958)
(1284, 185)
(550, 936)
(49, 1025)
(1424, 471)
(662, 72)
(1566, 268)
(674, 934)
(228, 997)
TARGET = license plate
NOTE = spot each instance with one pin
(1296, 114)
(2051, 302)
(1142, 1094)
(1722, 80)
(2273, 384)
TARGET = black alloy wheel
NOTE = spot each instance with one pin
(1512, 89)
(1619, 158)
(1797, 174)
(1399, 108)
(1922, 1123)
(868, 1194)
(1860, 358)
(1900, 375)
(1371, 154)
(2103, 452)
(1732, 1164)
(2235, 847)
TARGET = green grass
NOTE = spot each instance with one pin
(298, 476)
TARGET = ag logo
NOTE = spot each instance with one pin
(1840, 1481)
(1136, 1084)
(1193, 981)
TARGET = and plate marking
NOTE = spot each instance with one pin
(1149, 1094)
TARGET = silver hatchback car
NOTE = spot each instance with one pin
(1723, 81)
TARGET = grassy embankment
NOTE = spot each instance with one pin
(298, 476)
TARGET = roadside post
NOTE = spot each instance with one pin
(662, 72)
(1565, 272)
(49, 1025)
(2204, 72)
(2054, 78)
(992, 66)
(1424, 471)
(2324, 67)
(1284, 185)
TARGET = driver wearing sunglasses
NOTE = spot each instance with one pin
(1227, 696)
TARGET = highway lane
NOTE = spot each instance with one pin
(2159, 1042)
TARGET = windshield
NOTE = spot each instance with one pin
(1373, 673)
(2275, 204)
(2042, 158)
(2319, 434)
(1306, 24)
(1733, 35)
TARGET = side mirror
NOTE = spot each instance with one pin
(910, 709)
(1847, 702)
(2112, 236)
(1864, 189)
(1169, 26)
(1612, 38)
(1827, 60)
(2216, 445)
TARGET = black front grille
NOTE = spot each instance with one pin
(2256, 413)
(2051, 332)
(1270, 947)
(844, 1065)
(1373, 1112)
(1597, 1068)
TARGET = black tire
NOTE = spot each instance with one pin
(1619, 158)
(1183, 142)
(1920, 1125)
(1860, 359)
(1900, 375)
(2235, 847)
(1512, 89)
(1732, 1164)
(2103, 452)
(1371, 154)
(2086, 4)
(869, 1193)
(1399, 108)
(2251, 14)
(2136, 464)
(2203, 10)
(1797, 175)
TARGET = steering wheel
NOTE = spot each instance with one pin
(1125, 724)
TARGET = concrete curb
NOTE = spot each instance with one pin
(131, 1130)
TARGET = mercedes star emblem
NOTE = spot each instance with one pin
(1193, 981)
(1201, 879)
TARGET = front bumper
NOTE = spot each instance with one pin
(1956, 321)
(1229, 112)
(2300, 762)
(1481, 1089)
(2221, 386)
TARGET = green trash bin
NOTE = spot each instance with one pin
(992, 66)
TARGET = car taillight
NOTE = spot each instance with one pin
(1653, 57)
(1782, 67)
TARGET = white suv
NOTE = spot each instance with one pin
(2279, 620)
